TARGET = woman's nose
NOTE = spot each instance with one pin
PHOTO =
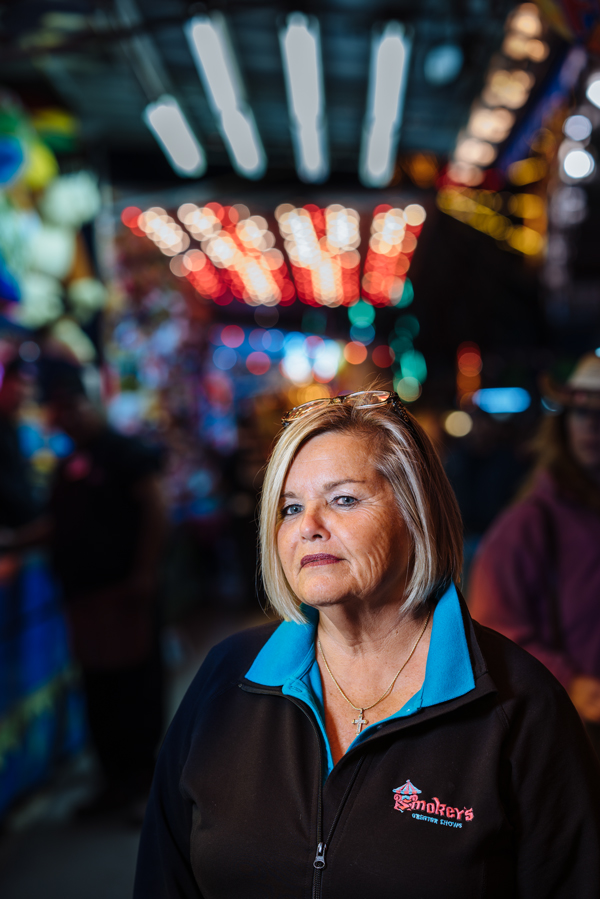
(312, 525)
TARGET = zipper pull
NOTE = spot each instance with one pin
(319, 861)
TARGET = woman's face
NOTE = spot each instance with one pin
(341, 538)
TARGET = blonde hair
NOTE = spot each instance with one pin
(405, 456)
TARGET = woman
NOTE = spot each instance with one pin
(377, 742)
(537, 576)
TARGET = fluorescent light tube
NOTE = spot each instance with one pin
(170, 127)
(215, 61)
(390, 56)
(303, 69)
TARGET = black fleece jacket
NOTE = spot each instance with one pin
(508, 802)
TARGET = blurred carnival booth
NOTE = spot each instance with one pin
(50, 296)
(41, 711)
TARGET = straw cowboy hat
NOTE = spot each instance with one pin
(582, 388)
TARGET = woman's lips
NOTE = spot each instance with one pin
(318, 559)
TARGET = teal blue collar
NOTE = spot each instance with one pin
(287, 660)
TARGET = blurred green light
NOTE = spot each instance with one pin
(361, 314)
(407, 323)
(401, 343)
(413, 365)
(408, 295)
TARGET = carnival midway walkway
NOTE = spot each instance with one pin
(45, 851)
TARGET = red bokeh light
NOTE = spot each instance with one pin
(470, 364)
(258, 363)
(232, 336)
(217, 209)
(130, 216)
(383, 356)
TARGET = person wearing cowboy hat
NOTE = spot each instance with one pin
(536, 577)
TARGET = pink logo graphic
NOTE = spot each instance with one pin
(406, 798)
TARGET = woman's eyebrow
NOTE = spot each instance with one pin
(330, 485)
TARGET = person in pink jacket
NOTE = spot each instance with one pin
(536, 577)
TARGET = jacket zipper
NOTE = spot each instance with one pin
(319, 862)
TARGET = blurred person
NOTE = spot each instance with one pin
(18, 506)
(108, 525)
(484, 472)
(314, 755)
(536, 578)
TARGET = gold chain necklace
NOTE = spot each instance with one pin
(360, 721)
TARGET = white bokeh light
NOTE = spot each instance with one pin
(578, 164)
(577, 127)
(593, 91)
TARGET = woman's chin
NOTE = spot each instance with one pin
(321, 598)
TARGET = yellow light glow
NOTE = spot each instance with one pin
(408, 389)
(490, 124)
(458, 424)
(515, 45)
(526, 241)
(498, 227)
(508, 88)
(537, 50)
(526, 206)
(299, 395)
(526, 171)
(465, 173)
(475, 152)
(526, 20)
(519, 46)
(414, 215)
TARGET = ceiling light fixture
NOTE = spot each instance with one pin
(301, 51)
(390, 55)
(215, 61)
(169, 125)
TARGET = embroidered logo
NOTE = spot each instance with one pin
(406, 798)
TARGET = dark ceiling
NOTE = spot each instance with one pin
(105, 61)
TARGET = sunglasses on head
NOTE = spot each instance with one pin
(364, 399)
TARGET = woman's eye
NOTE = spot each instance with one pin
(345, 500)
(292, 509)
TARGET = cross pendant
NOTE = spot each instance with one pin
(359, 722)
